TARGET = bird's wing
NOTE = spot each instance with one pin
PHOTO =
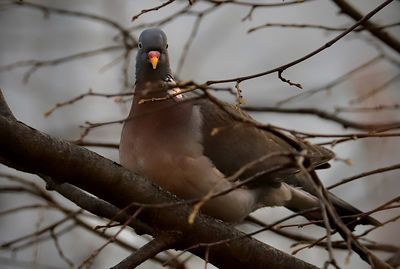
(231, 145)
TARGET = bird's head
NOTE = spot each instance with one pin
(152, 63)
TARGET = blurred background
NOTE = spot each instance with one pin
(221, 48)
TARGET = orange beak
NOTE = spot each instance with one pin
(154, 56)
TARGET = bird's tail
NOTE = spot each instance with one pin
(302, 200)
(351, 216)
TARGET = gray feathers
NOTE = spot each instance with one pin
(193, 147)
(152, 39)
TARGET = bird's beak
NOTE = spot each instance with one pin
(154, 56)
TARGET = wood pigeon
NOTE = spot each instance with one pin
(191, 147)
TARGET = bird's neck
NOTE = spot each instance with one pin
(143, 76)
(152, 96)
(145, 73)
(150, 89)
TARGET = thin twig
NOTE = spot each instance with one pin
(82, 96)
(282, 68)
(377, 108)
(112, 239)
(59, 249)
(160, 243)
(188, 43)
(256, 5)
(39, 232)
(333, 83)
(317, 26)
(364, 174)
(34, 65)
(324, 115)
(166, 3)
(356, 137)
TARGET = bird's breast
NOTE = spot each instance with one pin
(165, 146)
(162, 143)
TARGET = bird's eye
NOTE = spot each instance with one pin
(140, 45)
(166, 46)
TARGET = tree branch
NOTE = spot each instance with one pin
(364, 174)
(94, 205)
(372, 27)
(316, 26)
(34, 152)
(34, 65)
(148, 251)
(152, 9)
(282, 68)
(327, 116)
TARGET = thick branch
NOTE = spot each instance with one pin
(373, 28)
(35, 152)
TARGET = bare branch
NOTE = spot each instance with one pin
(21, 208)
(303, 239)
(317, 26)
(358, 136)
(333, 83)
(24, 264)
(364, 253)
(59, 249)
(256, 5)
(364, 174)
(36, 64)
(91, 125)
(89, 171)
(82, 176)
(189, 42)
(367, 109)
(325, 115)
(166, 3)
(82, 96)
(158, 244)
(39, 232)
(96, 144)
(184, 11)
(94, 254)
(128, 41)
(282, 68)
(92, 17)
(94, 205)
(372, 27)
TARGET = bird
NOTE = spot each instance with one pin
(192, 147)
